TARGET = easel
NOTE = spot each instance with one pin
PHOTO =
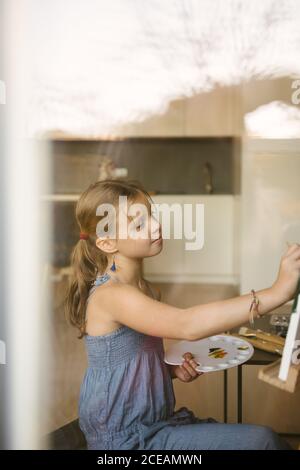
(291, 377)
(270, 373)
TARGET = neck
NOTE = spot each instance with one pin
(128, 270)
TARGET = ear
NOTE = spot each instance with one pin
(107, 245)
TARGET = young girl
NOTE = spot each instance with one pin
(126, 397)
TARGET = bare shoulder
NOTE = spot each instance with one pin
(107, 295)
(120, 296)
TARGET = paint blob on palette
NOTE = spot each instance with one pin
(211, 354)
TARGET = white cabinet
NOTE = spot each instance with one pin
(214, 263)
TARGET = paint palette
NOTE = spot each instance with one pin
(214, 353)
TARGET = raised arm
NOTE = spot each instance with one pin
(128, 306)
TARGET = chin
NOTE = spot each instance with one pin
(156, 248)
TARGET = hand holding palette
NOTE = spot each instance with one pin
(214, 353)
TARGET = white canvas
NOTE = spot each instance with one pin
(290, 342)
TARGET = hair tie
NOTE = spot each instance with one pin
(83, 236)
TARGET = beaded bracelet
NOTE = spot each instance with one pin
(253, 306)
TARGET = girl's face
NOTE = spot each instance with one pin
(144, 236)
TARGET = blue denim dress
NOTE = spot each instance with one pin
(127, 399)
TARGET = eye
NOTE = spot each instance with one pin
(140, 226)
(140, 223)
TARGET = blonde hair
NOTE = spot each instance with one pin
(87, 260)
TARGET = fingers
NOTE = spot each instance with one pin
(292, 248)
(187, 377)
(187, 356)
(296, 254)
(188, 369)
(190, 365)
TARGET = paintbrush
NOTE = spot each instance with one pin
(259, 334)
(263, 345)
(260, 342)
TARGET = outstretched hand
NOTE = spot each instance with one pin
(289, 272)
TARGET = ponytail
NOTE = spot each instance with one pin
(86, 261)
